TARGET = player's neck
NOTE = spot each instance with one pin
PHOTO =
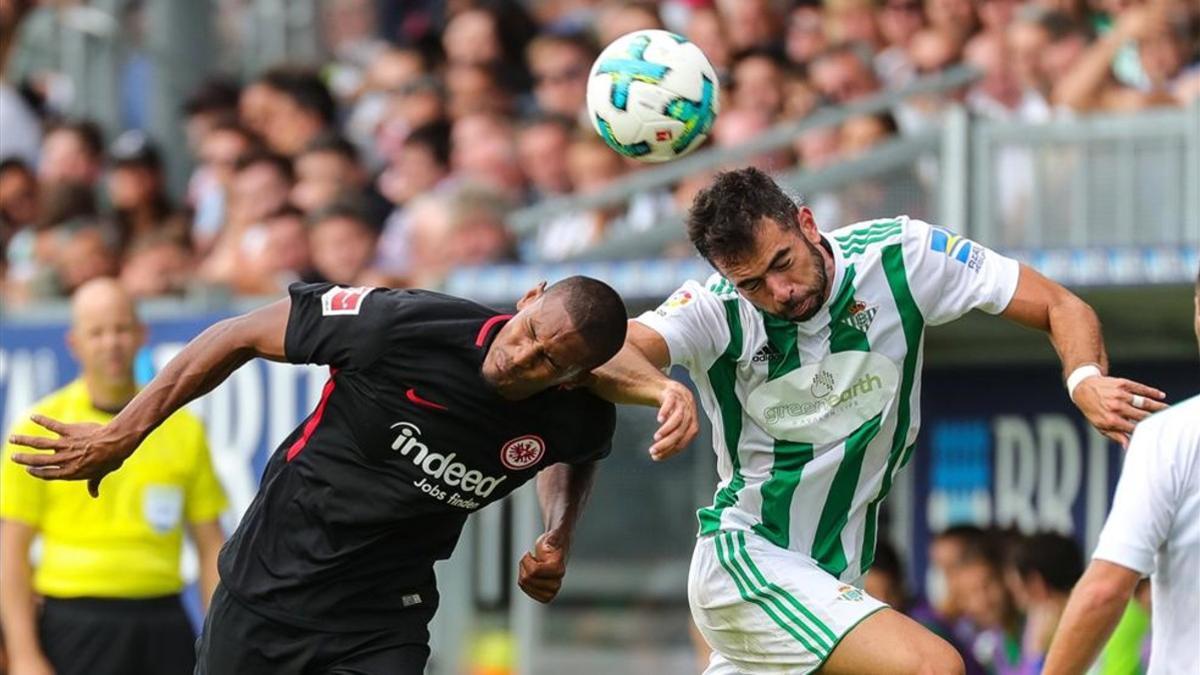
(830, 267)
(110, 397)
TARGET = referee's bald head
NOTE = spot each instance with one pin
(100, 295)
(105, 332)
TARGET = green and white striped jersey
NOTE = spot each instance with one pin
(812, 420)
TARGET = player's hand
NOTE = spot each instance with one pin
(677, 421)
(543, 568)
(1108, 403)
(83, 451)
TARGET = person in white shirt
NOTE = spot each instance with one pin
(1153, 529)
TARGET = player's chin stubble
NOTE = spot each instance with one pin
(812, 302)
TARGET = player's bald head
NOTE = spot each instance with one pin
(596, 313)
(556, 338)
(99, 298)
(105, 333)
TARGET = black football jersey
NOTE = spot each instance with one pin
(407, 440)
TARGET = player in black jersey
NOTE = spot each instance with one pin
(435, 407)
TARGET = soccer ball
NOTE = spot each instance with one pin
(652, 95)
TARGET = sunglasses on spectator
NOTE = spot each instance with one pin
(561, 77)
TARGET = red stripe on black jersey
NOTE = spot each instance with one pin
(487, 328)
(311, 426)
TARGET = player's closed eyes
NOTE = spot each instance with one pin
(545, 354)
(778, 265)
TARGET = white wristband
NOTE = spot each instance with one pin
(1079, 375)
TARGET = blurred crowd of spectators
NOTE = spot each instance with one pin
(397, 160)
(997, 596)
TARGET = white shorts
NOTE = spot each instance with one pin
(765, 609)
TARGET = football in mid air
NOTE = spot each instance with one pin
(652, 95)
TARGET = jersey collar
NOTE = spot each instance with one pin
(488, 330)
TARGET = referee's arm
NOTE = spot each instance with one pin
(91, 451)
(18, 607)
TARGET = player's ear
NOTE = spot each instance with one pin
(531, 296)
(808, 224)
(72, 343)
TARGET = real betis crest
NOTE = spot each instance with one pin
(860, 316)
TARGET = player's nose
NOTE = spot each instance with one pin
(524, 356)
(781, 291)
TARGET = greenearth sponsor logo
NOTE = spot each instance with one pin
(826, 401)
(823, 401)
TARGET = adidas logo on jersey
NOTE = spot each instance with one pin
(767, 354)
(859, 316)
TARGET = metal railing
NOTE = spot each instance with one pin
(1100, 181)
(525, 221)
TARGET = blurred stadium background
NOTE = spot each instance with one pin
(209, 152)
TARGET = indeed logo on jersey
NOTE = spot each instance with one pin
(442, 468)
(825, 402)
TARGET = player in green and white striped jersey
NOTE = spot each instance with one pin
(807, 349)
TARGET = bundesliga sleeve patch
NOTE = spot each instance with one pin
(343, 301)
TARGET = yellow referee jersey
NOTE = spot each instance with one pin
(126, 543)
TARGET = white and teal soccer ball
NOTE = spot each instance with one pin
(653, 96)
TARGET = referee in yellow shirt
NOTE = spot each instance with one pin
(109, 567)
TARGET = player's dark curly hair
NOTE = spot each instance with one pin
(597, 313)
(725, 215)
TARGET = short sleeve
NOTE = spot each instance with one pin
(1144, 505)
(205, 498)
(950, 275)
(22, 497)
(338, 326)
(694, 323)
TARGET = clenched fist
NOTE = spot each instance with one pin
(543, 568)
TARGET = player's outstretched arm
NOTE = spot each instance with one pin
(562, 491)
(1092, 613)
(1111, 404)
(634, 377)
(90, 451)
